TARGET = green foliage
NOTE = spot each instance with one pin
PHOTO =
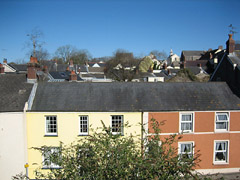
(107, 156)
(189, 74)
(145, 64)
(20, 176)
(184, 75)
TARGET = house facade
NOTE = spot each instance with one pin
(51, 128)
(207, 117)
(13, 152)
(68, 112)
(214, 135)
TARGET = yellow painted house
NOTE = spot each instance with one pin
(66, 112)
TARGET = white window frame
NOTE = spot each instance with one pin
(47, 129)
(226, 150)
(80, 125)
(192, 121)
(186, 142)
(222, 121)
(51, 165)
(122, 125)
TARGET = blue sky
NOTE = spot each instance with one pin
(103, 26)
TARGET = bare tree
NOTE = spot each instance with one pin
(65, 52)
(68, 52)
(160, 55)
(81, 56)
(35, 40)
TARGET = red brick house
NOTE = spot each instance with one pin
(207, 116)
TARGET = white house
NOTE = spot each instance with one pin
(13, 152)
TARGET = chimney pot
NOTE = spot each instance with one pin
(33, 59)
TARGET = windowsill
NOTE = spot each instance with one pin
(221, 131)
(83, 135)
(50, 135)
(186, 132)
(220, 163)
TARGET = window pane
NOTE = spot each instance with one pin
(186, 126)
(50, 156)
(221, 125)
(186, 117)
(186, 150)
(117, 124)
(185, 147)
(220, 156)
(222, 117)
(221, 151)
(51, 124)
(84, 124)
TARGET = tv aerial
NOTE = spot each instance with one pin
(232, 29)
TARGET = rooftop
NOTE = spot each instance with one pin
(134, 97)
(14, 92)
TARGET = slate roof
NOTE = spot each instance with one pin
(234, 59)
(64, 75)
(134, 97)
(96, 69)
(19, 67)
(193, 53)
(14, 91)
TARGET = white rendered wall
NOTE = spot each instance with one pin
(12, 144)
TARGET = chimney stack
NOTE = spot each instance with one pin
(73, 76)
(32, 70)
(230, 44)
(45, 69)
(1, 69)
